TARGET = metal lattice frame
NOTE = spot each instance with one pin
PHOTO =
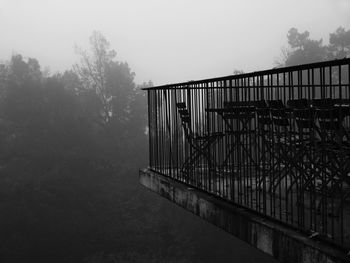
(273, 141)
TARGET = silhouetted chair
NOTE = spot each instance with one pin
(286, 144)
(298, 103)
(276, 104)
(334, 154)
(265, 143)
(307, 145)
(199, 144)
(323, 103)
(238, 117)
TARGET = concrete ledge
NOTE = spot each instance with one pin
(276, 240)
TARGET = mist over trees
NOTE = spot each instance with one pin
(67, 142)
(302, 49)
(71, 145)
(111, 81)
(65, 113)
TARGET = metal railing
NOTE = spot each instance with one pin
(276, 142)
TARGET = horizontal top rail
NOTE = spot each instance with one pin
(337, 62)
(276, 142)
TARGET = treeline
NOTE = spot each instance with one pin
(93, 111)
(302, 49)
(69, 144)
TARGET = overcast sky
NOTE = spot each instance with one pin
(166, 41)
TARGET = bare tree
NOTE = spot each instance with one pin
(93, 71)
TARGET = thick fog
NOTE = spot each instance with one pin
(166, 41)
(72, 143)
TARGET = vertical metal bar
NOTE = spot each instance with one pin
(282, 194)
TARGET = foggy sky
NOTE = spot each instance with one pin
(166, 41)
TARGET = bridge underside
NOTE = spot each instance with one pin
(283, 243)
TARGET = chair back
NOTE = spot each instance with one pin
(298, 103)
(305, 119)
(279, 117)
(185, 118)
(276, 104)
(323, 103)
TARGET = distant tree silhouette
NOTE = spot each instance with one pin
(339, 44)
(112, 81)
(303, 50)
(59, 157)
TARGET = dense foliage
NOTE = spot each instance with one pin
(71, 145)
(63, 167)
(302, 49)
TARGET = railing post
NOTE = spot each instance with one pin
(292, 172)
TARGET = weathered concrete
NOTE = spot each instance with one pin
(276, 240)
